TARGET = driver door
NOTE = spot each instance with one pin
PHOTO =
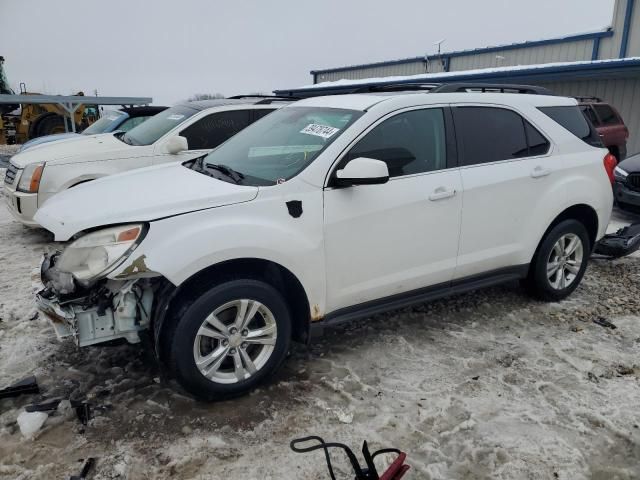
(393, 238)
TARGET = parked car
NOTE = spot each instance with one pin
(626, 189)
(182, 132)
(122, 120)
(609, 124)
(330, 209)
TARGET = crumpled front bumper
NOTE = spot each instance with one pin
(109, 310)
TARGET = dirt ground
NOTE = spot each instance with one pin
(489, 385)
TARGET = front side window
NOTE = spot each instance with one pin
(489, 134)
(409, 143)
(212, 130)
(606, 114)
(280, 145)
(150, 131)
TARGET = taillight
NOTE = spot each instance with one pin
(610, 163)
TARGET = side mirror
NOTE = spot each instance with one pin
(177, 144)
(362, 171)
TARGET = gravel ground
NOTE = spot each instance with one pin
(489, 385)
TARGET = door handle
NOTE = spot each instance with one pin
(441, 193)
(540, 172)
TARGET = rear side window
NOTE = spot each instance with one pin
(589, 113)
(489, 134)
(212, 130)
(607, 115)
(571, 118)
(409, 143)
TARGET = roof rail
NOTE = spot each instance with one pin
(266, 99)
(397, 87)
(492, 88)
(589, 99)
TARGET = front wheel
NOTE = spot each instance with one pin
(560, 262)
(230, 339)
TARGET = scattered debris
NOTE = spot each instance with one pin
(46, 406)
(577, 328)
(22, 387)
(593, 377)
(86, 468)
(603, 322)
(624, 370)
(83, 411)
(476, 377)
(620, 244)
(30, 423)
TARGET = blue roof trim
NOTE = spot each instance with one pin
(459, 53)
(627, 27)
(596, 49)
(547, 74)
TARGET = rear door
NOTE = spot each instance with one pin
(383, 240)
(505, 165)
(612, 129)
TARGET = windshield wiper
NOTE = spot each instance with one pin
(224, 169)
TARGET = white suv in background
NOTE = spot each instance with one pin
(184, 131)
(330, 209)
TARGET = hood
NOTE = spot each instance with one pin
(140, 195)
(631, 164)
(46, 139)
(71, 149)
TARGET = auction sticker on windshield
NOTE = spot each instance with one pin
(175, 117)
(318, 130)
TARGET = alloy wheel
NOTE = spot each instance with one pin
(235, 341)
(565, 261)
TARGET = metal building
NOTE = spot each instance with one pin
(605, 64)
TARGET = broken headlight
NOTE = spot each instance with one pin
(94, 255)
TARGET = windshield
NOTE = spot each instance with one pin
(105, 124)
(148, 132)
(281, 145)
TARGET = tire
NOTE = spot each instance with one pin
(49, 124)
(218, 349)
(559, 284)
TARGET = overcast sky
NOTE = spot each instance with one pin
(170, 50)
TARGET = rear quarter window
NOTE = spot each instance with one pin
(572, 118)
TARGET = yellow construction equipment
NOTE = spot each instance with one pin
(19, 123)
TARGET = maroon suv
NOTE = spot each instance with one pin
(608, 123)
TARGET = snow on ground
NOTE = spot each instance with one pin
(5, 153)
(489, 385)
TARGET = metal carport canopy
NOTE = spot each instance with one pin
(71, 103)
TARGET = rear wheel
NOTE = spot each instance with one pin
(47, 124)
(230, 339)
(560, 262)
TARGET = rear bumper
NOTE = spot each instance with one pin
(23, 206)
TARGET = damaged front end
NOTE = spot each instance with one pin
(108, 310)
(80, 299)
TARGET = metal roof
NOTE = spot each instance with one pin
(551, 72)
(458, 53)
(73, 99)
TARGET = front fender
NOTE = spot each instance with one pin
(179, 247)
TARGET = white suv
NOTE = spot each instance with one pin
(179, 133)
(329, 209)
